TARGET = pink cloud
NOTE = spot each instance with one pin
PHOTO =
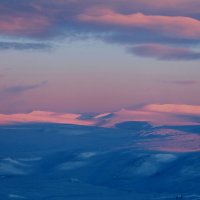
(174, 109)
(172, 26)
(45, 117)
(120, 21)
(156, 114)
(153, 117)
(24, 24)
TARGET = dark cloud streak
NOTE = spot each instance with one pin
(24, 46)
(20, 89)
(161, 52)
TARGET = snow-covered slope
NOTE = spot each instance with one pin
(131, 161)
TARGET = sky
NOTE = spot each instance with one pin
(98, 55)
